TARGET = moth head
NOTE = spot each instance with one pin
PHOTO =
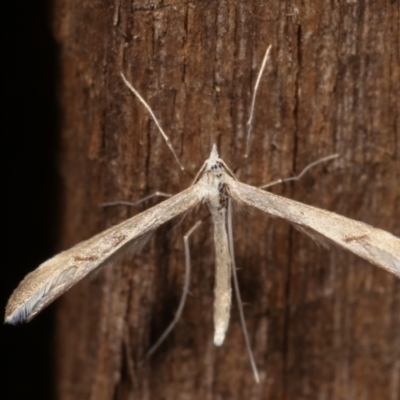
(214, 163)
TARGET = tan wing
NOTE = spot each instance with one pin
(375, 245)
(55, 276)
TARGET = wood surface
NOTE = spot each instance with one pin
(323, 324)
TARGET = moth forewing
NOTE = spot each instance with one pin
(375, 245)
(56, 275)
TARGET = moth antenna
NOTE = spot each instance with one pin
(184, 292)
(253, 101)
(238, 297)
(302, 173)
(164, 135)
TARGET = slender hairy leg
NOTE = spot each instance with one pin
(184, 292)
(238, 297)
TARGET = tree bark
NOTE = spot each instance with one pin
(323, 323)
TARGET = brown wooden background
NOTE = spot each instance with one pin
(323, 324)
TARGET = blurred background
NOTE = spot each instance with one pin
(30, 187)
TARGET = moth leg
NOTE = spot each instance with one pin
(184, 292)
(238, 297)
(135, 203)
(302, 173)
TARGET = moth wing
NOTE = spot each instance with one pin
(56, 275)
(375, 245)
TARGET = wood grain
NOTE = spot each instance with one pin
(323, 324)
